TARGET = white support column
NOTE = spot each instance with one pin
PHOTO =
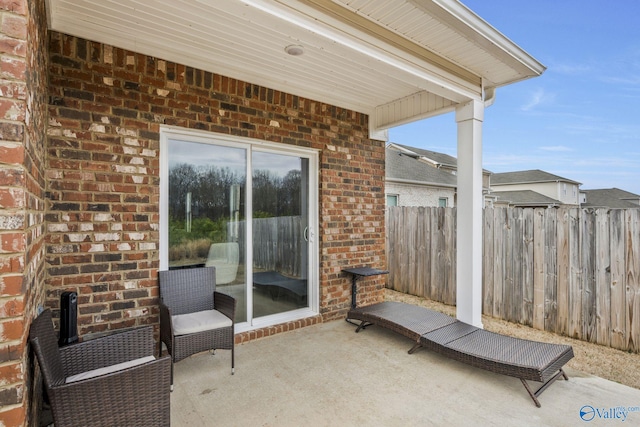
(469, 118)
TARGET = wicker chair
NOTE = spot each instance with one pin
(193, 316)
(107, 381)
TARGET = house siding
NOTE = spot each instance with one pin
(555, 190)
(23, 74)
(414, 195)
(106, 108)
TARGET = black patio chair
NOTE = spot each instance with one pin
(194, 317)
(109, 381)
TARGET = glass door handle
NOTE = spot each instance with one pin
(306, 234)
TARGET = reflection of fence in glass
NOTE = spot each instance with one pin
(277, 244)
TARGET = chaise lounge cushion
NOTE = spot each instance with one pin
(191, 323)
(530, 360)
(108, 369)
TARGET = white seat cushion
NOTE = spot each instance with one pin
(109, 369)
(199, 321)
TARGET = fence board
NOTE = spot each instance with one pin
(450, 255)
(575, 276)
(487, 261)
(517, 246)
(602, 278)
(509, 280)
(588, 254)
(527, 267)
(551, 271)
(423, 257)
(539, 270)
(618, 279)
(633, 280)
(563, 271)
(499, 230)
(393, 257)
(410, 221)
(437, 285)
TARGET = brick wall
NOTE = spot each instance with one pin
(105, 109)
(23, 77)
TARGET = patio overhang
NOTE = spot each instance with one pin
(398, 62)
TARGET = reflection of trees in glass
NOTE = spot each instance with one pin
(210, 188)
(274, 196)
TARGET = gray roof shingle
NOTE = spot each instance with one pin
(525, 198)
(401, 166)
(441, 158)
(613, 198)
(527, 177)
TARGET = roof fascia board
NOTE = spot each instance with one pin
(480, 31)
(391, 38)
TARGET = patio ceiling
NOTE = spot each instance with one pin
(398, 61)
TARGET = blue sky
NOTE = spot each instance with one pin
(580, 119)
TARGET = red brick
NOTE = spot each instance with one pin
(12, 242)
(11, 197)
(12, 330)
(12, 68)
(11, 307)
(11, 285)
(12, 110)
(12, 416)
(11, 264)
(13, 154)
(16, 6)
(14, 25)
(11, 373)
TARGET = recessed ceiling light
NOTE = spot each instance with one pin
(294, 50)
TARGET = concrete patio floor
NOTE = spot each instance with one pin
(326, 375)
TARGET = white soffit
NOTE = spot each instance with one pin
(397, 61)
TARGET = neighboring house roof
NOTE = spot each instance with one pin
(525, 198)
(527, 177)
(613, 198)
(402, 167)
(435, 157)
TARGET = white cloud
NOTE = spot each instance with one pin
(556, 148)
(570, 69)
(537, 98)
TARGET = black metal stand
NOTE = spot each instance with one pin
(357, 273)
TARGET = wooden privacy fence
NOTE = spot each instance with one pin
(570, 271)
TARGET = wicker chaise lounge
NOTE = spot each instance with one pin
(523, 359)
(411, 321)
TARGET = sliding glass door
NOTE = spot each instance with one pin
(248, 209)
(280, 232)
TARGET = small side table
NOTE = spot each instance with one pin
(357, 273)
